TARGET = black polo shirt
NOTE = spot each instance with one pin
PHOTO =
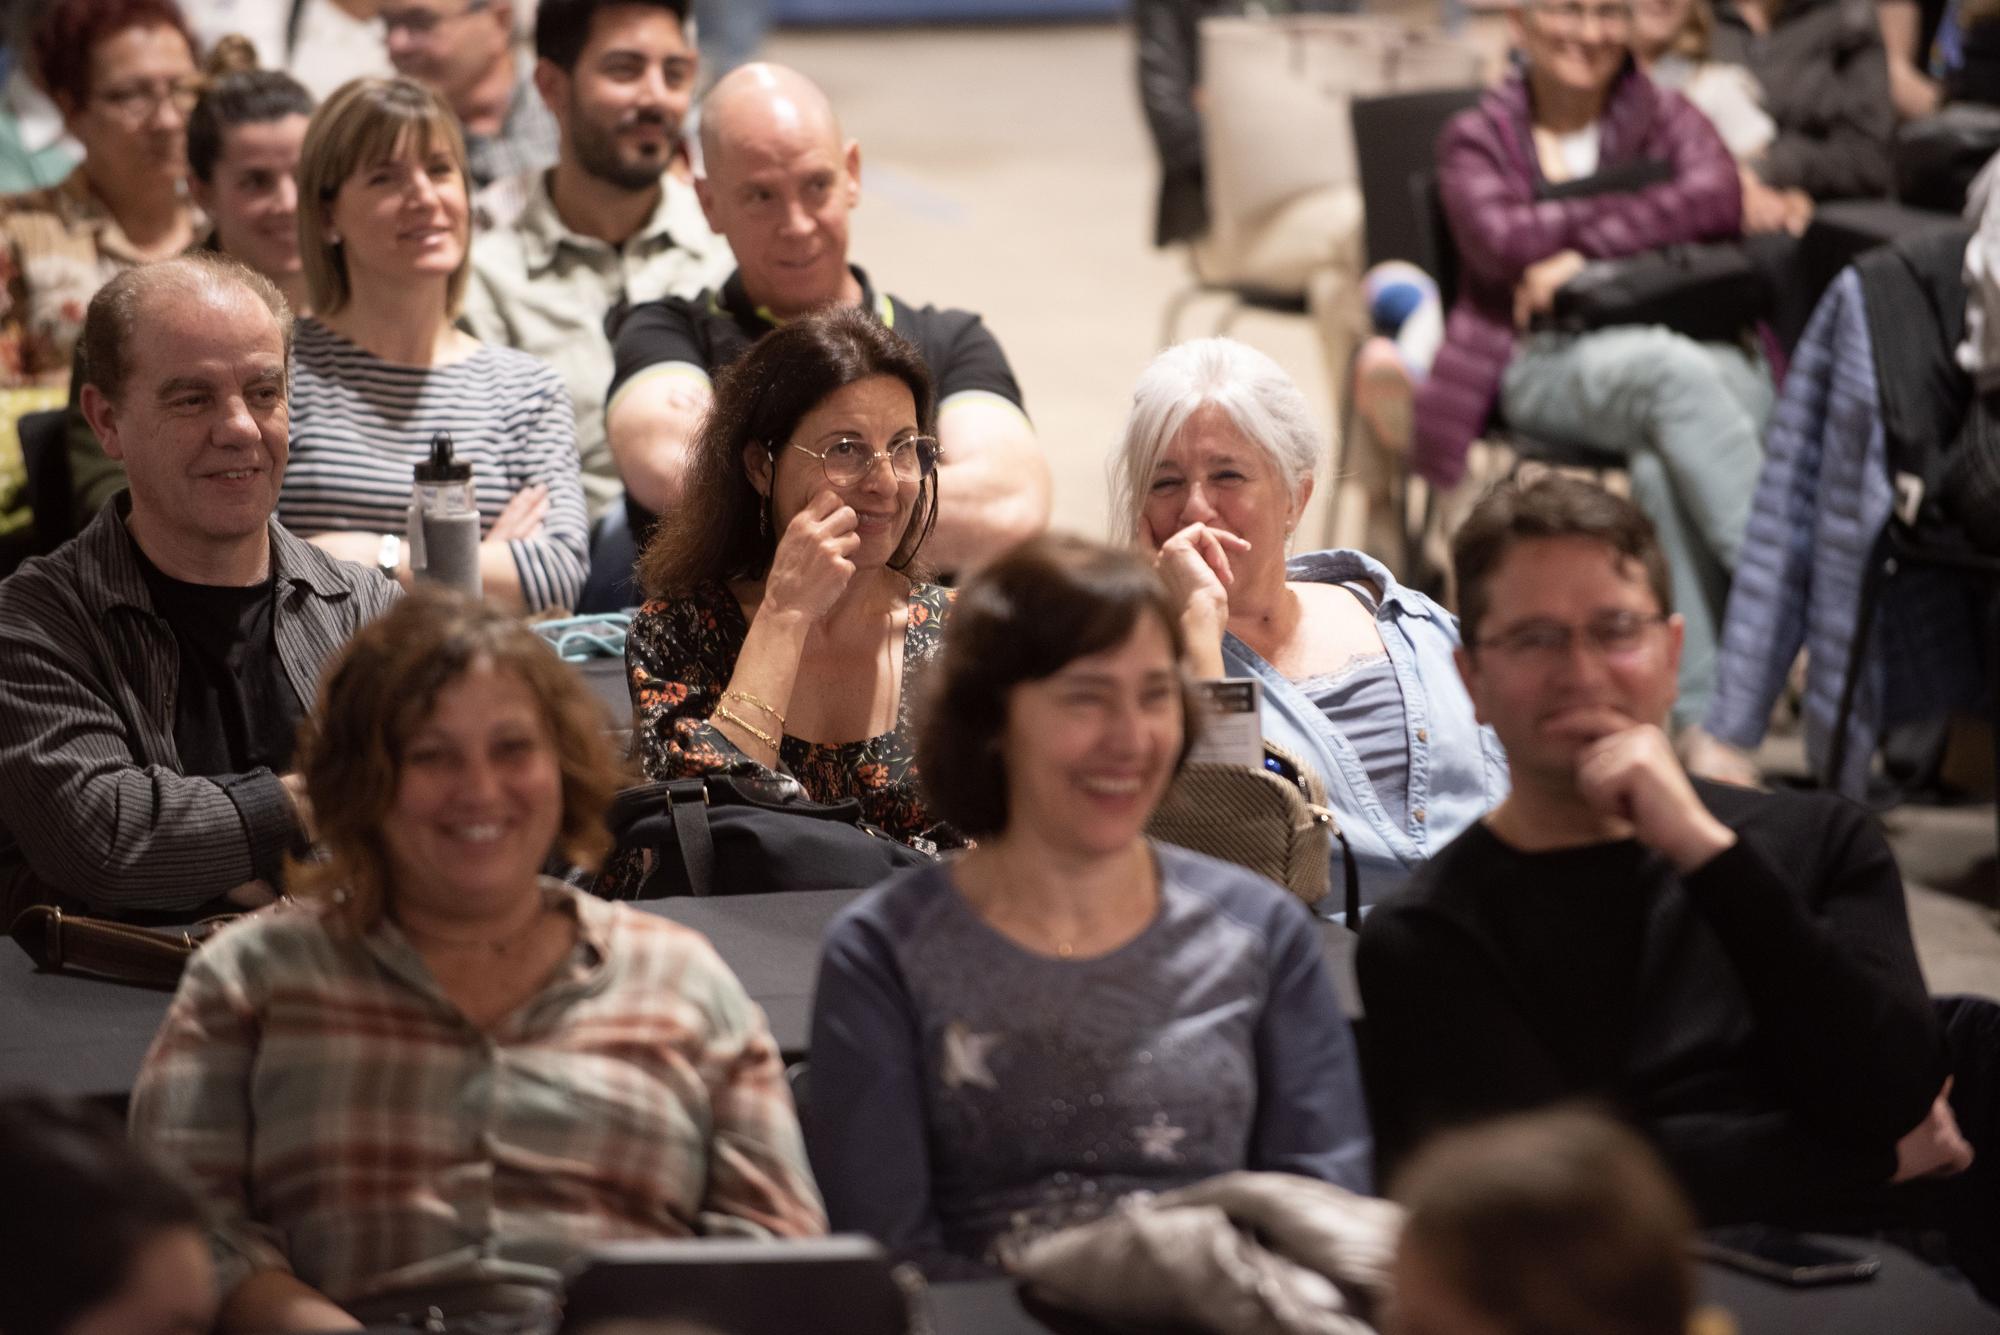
(713, 329)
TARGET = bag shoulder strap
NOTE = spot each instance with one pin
(687, 803)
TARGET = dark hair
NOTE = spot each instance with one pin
(111, 321)
(83, 1202)
(1559, 1222)
(759, 400)
(562, 27)
(1551, 506)
(1044, 604)
(377, 694)
(235, 92)
(72, 29)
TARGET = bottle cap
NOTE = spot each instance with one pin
(440, 467)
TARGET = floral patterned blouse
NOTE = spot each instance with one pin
(679, 656)
(57, 247)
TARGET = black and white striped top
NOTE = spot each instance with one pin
(360, 424)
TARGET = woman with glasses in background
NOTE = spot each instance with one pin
(122, 72)
(812, 488)
(1577, 157)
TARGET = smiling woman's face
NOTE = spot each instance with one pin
(254, 196)
(404, 218)
(871, 414)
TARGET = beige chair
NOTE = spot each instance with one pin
(1285, 211)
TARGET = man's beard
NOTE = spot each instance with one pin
(597, 152)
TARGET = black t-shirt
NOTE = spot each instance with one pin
(712, 330)
(234, 707)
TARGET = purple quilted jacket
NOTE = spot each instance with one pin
(1487, 174)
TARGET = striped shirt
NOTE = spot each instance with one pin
(347, 1123)
(94, 806)
(360, 424)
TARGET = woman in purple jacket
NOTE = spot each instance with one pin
(1688, 415)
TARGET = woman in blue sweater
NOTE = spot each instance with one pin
(1007, 1043)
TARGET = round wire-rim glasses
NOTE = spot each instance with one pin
(848, 460)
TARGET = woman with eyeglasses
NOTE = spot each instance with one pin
(1579, 157)
(122, 72)
(787, 613)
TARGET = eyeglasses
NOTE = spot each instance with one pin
(1613, 635)
(422, 23)
(1569, 14)
(848, 460)
(137, 103)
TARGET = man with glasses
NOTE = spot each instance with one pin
(1731, 969)
(1577, 157)
(613, 223)
(779, 182)
(465, 50)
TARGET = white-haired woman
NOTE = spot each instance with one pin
(1358, 681)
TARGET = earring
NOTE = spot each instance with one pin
(764, 518)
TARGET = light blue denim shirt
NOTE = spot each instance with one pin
(1457, 770)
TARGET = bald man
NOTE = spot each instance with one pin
(778, 183)
(153, 667)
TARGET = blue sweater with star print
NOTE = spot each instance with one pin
(967, 1092)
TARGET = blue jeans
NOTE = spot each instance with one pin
(1689, 417)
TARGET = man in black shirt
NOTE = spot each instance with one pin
(152, 669)
(1731, 969)
(777, 181)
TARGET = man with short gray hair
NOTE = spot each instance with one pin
(153, 669)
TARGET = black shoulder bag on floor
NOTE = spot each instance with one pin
(723, 835)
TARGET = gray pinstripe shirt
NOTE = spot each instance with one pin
(94, 809)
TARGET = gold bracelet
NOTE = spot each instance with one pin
(751, 728)
(755, 703)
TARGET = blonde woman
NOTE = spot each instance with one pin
(379, 368)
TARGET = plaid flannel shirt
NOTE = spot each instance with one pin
(345, 1122)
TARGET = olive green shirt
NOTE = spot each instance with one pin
(540, 287)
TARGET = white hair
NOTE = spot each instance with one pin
(1253, 391)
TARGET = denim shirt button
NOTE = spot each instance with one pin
(1423, 734)
(1418, 815)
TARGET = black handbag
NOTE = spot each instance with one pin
(722, 835)
(1710, 293)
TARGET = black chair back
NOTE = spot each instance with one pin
(1395, 145)
(45, 455)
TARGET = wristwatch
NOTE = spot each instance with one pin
(389, 555)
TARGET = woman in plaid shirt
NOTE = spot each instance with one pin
(447, 1076)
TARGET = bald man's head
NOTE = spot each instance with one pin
(761, 97)
(778, 181)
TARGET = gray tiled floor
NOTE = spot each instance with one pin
(1007, 170)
